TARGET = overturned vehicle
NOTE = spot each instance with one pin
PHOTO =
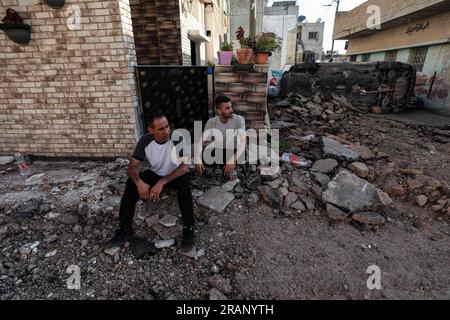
(379, 87)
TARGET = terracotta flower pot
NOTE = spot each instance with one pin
(262, 57)
(225, 57)
(17, 32)
(244, 56)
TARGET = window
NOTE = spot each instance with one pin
(353, 58)
(391, 56)
(365, 57)
(417, 57)
(313, 36)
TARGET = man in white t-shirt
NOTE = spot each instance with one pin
(159, 147)
(231, 128)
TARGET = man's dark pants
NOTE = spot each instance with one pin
(131, 195)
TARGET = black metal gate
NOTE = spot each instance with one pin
(179, 92)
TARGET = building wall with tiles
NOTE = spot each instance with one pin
(70, 91)
(247, 91)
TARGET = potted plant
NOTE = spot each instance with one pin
(245, 53)
(14, 27)
(226, 53)
(55, 4)
(266, 43)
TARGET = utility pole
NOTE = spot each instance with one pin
(332, 43)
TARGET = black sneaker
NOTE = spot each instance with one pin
(188, 237)
(120, 237)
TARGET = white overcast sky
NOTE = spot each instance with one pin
(314, 9)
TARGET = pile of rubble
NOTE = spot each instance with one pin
(342, 180)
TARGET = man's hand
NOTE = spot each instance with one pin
(228, 169)
(200, 168)
(155, 191)
(143, 190)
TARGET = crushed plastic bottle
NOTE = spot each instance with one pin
(295, 160)
(22, 164)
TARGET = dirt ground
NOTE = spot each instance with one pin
(257, 252)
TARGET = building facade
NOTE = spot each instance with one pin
(239, 11)
(413, 32)
(279, 19)
(305, 43)
(71, 91)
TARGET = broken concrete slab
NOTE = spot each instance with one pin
(325, 165)
(275, 184)
(282, 125)
(152, 220)
(229, 186)
(168, 221)
(167, 233)
(350, 192)
(274, 198)
(6, 160)
(372, 218)
(35, 179)
(283, 104)
(216, 199)
(29, 207)
(164, 243)
(338, 150)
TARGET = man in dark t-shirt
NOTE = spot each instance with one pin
(166, 169)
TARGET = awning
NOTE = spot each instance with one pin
(197, 36)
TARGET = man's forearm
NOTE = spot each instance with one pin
(133, 172)
(178, 172)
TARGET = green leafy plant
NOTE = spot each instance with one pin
(226, 46)
(267, 42)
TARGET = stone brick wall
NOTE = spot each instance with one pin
(69, 92)
(247, 91)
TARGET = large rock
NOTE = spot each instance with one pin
(338, 151)
(322, 179)
(216, 199)
(350, 192)
(299, 183)
(325, 165)
(30, 207)
(274, 198)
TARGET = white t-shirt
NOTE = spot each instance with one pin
(163, 157)
(229, 139)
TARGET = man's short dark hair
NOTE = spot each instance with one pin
(221, 99)
(154, 116)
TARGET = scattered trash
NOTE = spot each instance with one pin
(295, 160)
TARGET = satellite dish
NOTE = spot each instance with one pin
(319, 21)
(301, 18)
